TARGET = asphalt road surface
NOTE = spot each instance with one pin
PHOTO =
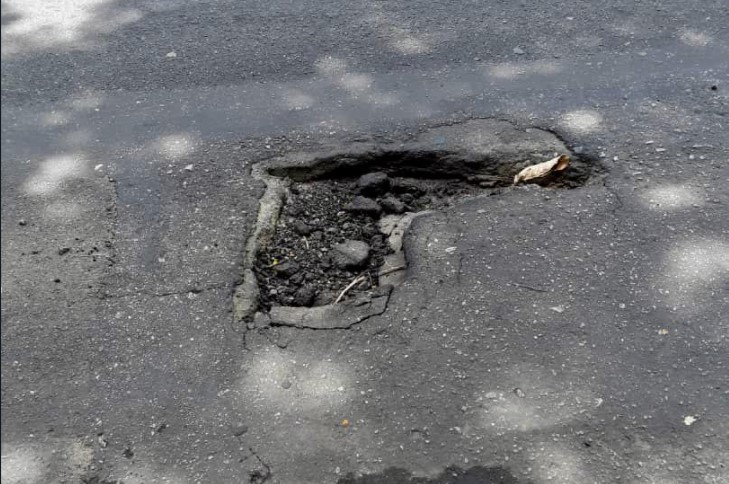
(541, 335)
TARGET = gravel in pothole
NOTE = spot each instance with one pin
(328, 235)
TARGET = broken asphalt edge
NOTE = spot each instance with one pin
(507, 154)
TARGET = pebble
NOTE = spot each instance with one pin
(287, 269)
(302, 228)
(392, 205)
(350, 254)
(239, 429)
(22, 222)
(519, 51)
(374, 184)
(364, 205)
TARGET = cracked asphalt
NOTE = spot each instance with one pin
(572, 336)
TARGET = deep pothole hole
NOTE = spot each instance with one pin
(338, 236)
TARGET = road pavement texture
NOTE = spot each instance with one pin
(540, 334)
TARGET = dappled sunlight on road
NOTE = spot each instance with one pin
(695, 274)
(557, 462)
(50, 176)
(357, 83)
(27, 463)
(283, 384)
(660, 465)
(695, 38)
(582, 121)
(670, 197)
(531, 398)
(331, 66)
(296, 99)
(359, 86)
(86, 101)
(42, 25)
(55, 118)
(399, 37)
(175, 147)
(405, 42)
(21, 465)
(512, 70)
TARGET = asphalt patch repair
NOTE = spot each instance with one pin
(328, 249)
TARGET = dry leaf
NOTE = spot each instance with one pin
(663, 331)
(543, 169)
(689, 420)
(344, 422)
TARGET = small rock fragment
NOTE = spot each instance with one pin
(286, 269)
(363, 205)
(375, 183)
(519, 51)
(305, 296)
(350, 254)
(63, 250)
(392, 205)
(324, 297)
(519, 392)
(302, 228)
(22, 222)
(407, 186)
(239, 429)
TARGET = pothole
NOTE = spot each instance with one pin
(328, 246)
(334, 232)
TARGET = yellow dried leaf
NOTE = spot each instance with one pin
(344, 422)
(543, 169)
(663, 331)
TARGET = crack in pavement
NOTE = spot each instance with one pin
(257, 477)
(260, 472)
(192, 290)
(617, 205)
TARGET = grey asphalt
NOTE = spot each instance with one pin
(572, 336)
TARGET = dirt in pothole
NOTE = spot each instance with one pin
(298, 267)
